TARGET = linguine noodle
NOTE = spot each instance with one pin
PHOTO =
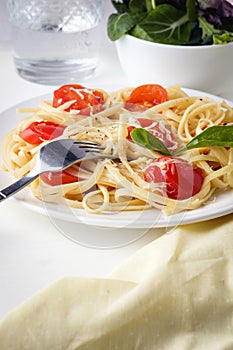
(114, 185)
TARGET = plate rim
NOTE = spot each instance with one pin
(107, 219)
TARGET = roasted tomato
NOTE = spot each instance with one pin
(181, 179)
(37, 132)
(62, 177)
(146, 96)
(86, 101)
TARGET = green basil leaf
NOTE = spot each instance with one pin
(145, 139)
(218, 135)
(137, 6)
(164, 24)
(222, 38)
(207, 30)
(150, 5)
(191, 9)
(120, 24)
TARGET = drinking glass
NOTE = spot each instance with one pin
(55, 42)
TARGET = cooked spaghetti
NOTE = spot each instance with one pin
(106, 185)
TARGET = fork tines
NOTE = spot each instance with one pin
(89, 145)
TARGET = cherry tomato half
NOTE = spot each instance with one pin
(85, 100)
(37, 132)
(146, 96)
(164, 135)
(182, 180)
(60, 177)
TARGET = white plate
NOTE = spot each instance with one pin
(220, 206)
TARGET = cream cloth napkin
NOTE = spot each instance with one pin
(174, 294)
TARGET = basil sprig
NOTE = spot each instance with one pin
(145, 139)
(218, 135)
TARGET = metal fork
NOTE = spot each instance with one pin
(56, 156)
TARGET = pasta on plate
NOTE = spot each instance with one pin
(108, 118)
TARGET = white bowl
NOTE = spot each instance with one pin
(207, 68)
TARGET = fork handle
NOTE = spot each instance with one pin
(16, 186)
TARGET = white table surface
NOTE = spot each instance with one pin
(33, 252)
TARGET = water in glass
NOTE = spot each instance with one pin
(55, 42)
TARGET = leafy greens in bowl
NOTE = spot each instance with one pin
(174, 22)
